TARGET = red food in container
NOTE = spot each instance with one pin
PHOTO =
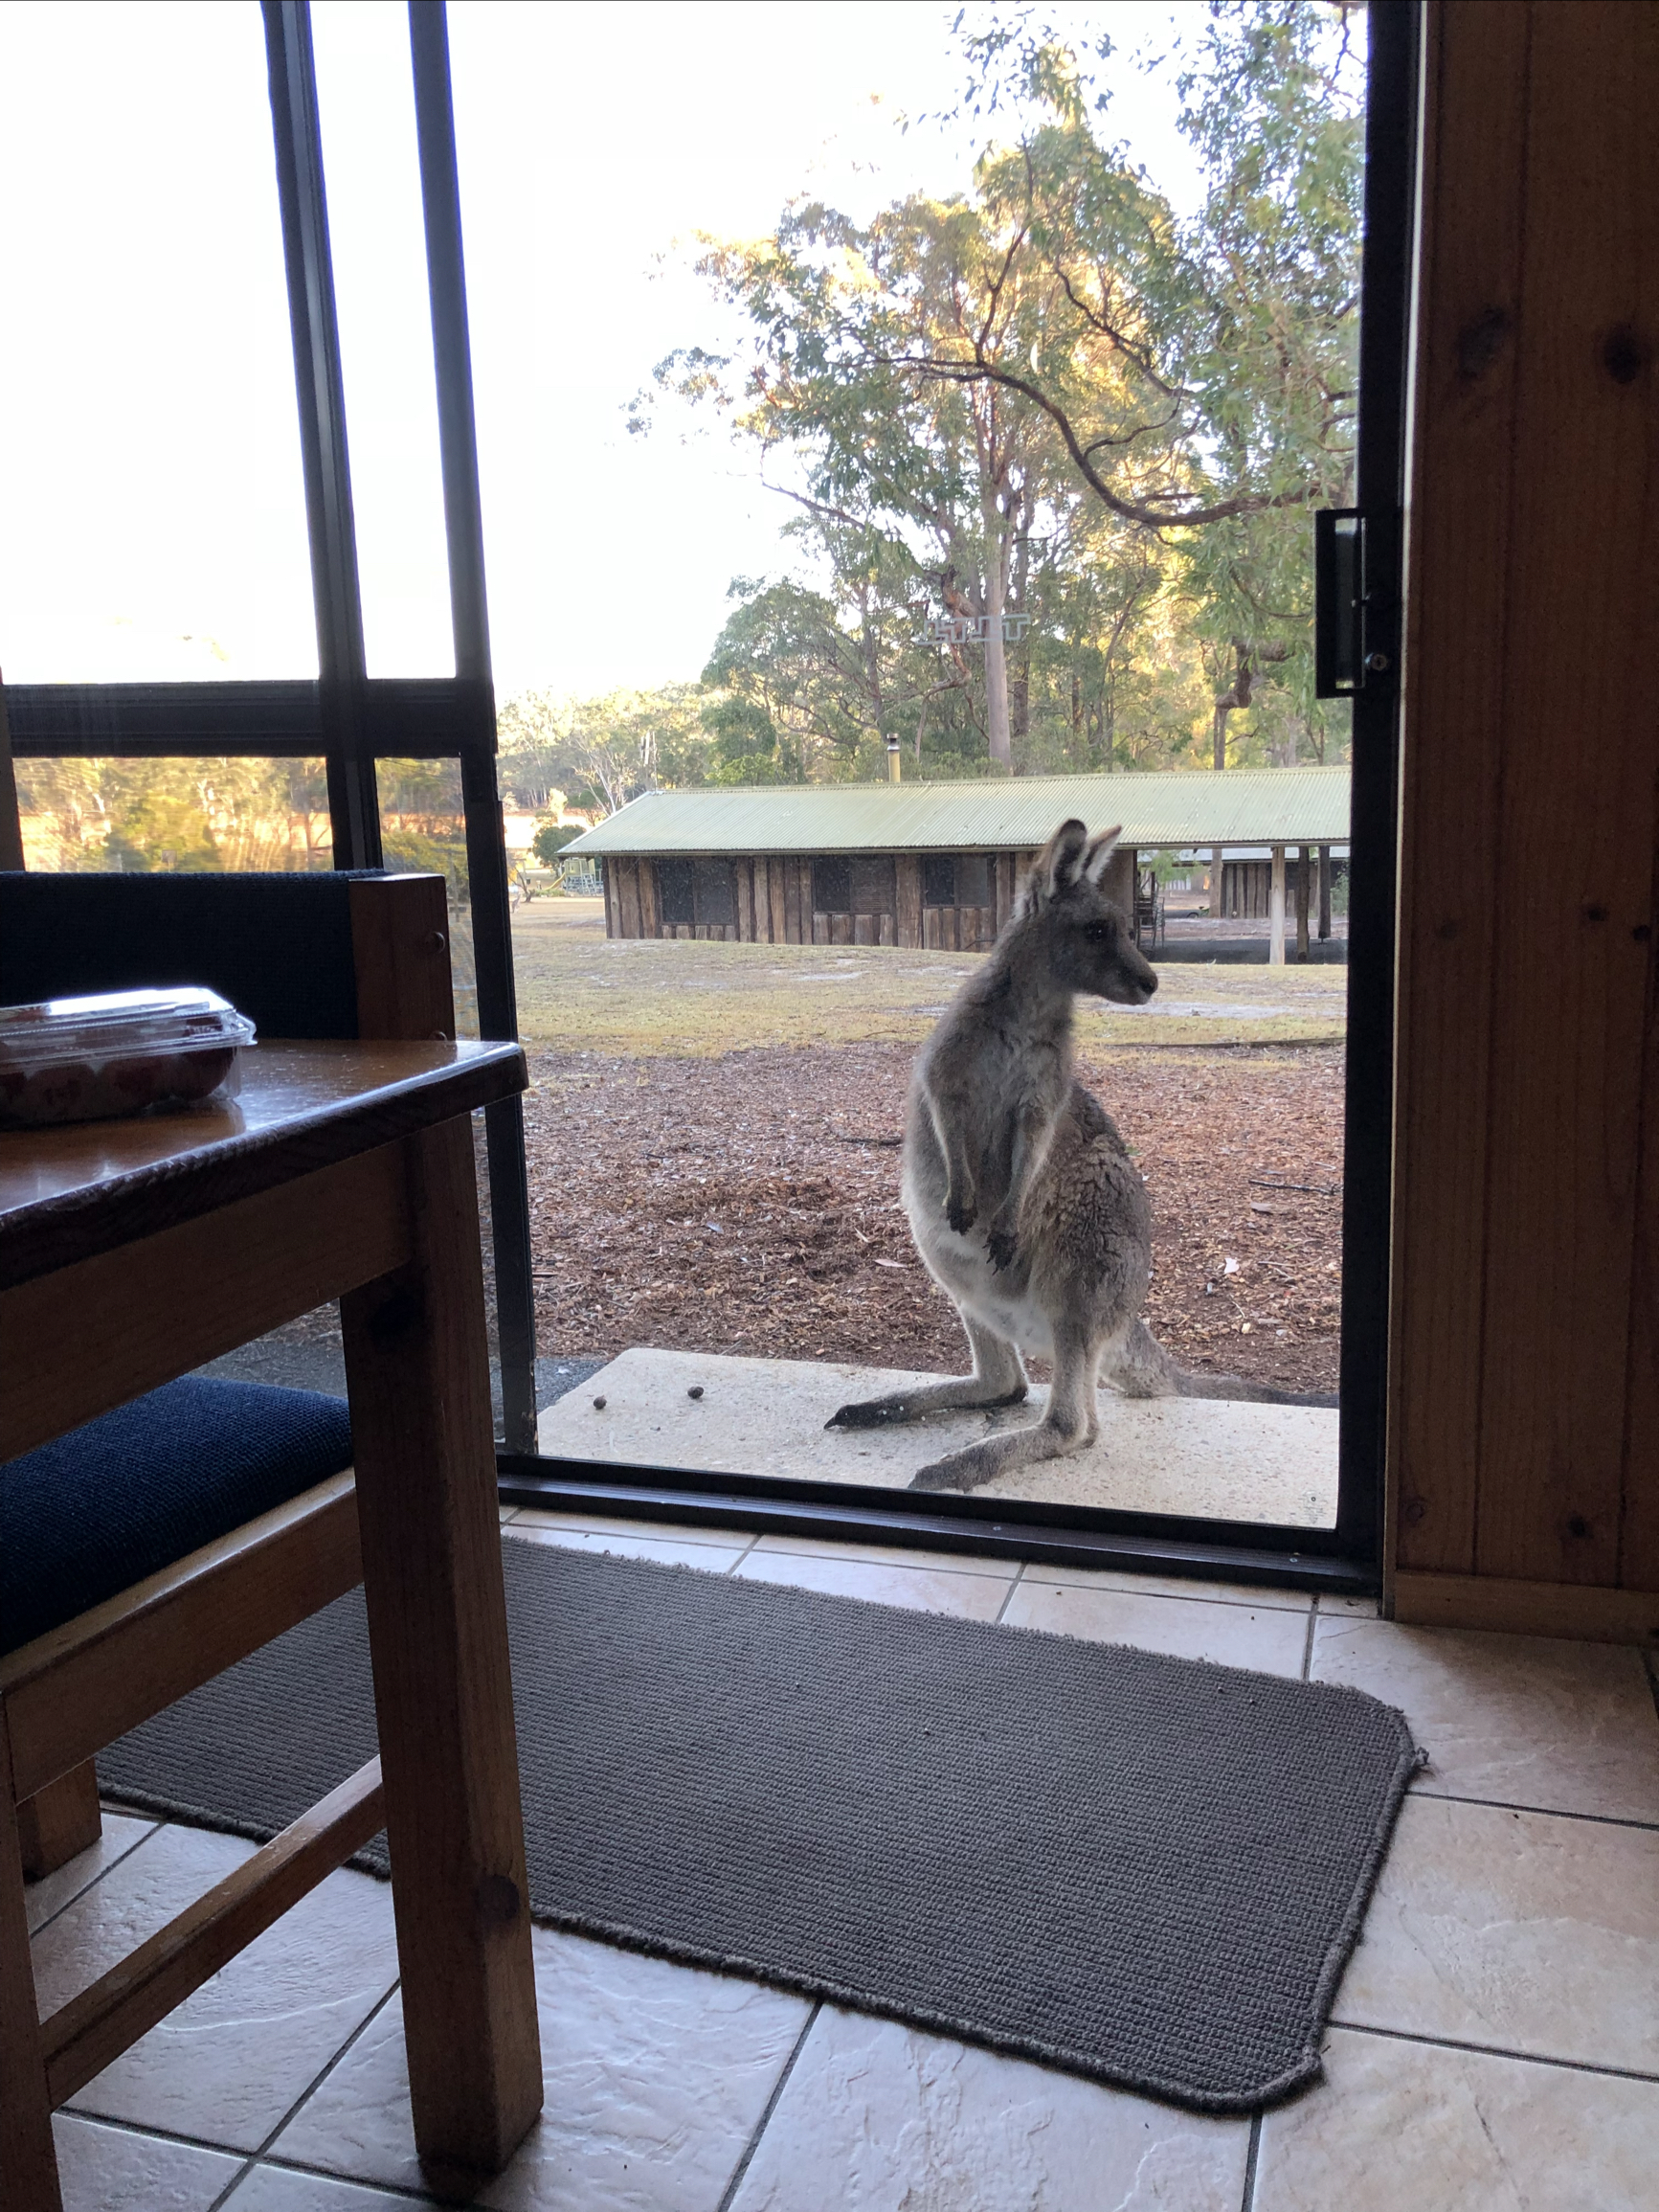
(121, 1052)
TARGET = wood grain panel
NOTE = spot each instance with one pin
(417, 1371)
(1639, 1526)
(1469, 314)
(400, 952)
(907, 878)
(650, 910)
(629, 920)
(743, 877)
(28, 2160)
(148, 1311)
(1577, 831)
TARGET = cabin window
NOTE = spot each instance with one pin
(873, 888)
(676, 898)
(716, 900)
(973, 879)
(939, 879)
(832, 886)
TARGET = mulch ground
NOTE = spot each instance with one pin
(749, 1204)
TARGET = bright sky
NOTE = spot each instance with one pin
(149, 469)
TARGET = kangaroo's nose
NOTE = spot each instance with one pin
(1151, 983)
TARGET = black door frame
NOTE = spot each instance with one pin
(351, 720)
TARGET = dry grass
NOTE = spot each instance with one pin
(645, 998)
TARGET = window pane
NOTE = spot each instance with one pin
(366, 99)
(138, 816)
(155, 516)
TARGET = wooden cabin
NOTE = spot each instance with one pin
(922, 865)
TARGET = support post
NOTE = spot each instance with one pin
(342, 665)
(487, 878)
(1276, 912)
(1215, 883)
(1304, 859)
(1324, 893)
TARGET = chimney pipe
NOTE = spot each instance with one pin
(895, 766)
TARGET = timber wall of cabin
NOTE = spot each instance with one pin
(772, 903)
(1524, 1394)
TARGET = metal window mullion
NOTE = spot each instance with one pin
(469, 618)
(353, 799)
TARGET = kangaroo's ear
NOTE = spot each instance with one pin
(1099, 852)
(1059, 865)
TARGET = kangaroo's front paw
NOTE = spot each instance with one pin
(999, 1246)
(960, 1217)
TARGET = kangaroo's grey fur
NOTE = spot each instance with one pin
(1022, 1196)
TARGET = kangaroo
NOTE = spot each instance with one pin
(1022, 1196)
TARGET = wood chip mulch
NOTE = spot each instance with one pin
(749, 1204)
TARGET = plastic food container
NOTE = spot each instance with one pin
(87, 1059)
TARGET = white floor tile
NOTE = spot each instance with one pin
(1267, 1639)
(656, 2076)
(1254, 1594)
(1520, 1720)
(1527, 1932)
(623, 1525)
(54, 1891)
(228, 2064)
(272, 2189)
(888, 1555)
(876, 2117)
(635, 1543)
(929, 1589)
(103, 2169)
(1404, 2127)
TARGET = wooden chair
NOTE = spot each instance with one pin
(326, 956)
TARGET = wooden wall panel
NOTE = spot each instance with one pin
(650, 912)
(1470, 313)
(1577, 821)
(1524, 1424)
(908, 875)
(608, 874)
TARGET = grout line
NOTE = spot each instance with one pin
(398, 2189)
(744, 1554)
(729, 2197)
(137, 1844)
(1308, 1646)
(1196, 1593)
(305, 2094)
(1495, 2051)
(1251, 2156)
(1008, 1599)
(1545, 1812)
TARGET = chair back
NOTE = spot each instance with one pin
(330, 955)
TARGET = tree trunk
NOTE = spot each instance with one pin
(997, 724)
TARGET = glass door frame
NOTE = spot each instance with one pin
(352, 720)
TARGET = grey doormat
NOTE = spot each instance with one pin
(1143, 1870)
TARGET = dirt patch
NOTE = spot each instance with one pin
(748, 1203)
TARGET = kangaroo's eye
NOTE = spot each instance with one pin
(1100, 930)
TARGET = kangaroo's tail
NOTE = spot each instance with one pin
(1144, 1369)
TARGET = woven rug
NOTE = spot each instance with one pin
(1142, 1869)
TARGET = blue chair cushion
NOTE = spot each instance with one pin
(87, 1516)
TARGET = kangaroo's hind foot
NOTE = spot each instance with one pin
(999, 1379)
(1070, 1423)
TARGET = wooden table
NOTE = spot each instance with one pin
(131, 1251)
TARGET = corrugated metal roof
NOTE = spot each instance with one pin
(1243, 806)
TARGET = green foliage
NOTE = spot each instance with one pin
(550, 841)
(1052, 396)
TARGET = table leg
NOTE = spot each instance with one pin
(418, 1370)
(28, 2160)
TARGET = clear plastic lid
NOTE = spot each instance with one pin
(116, 1024)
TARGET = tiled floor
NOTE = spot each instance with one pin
(1496, 2043)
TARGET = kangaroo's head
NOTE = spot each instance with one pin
(1073, 928)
